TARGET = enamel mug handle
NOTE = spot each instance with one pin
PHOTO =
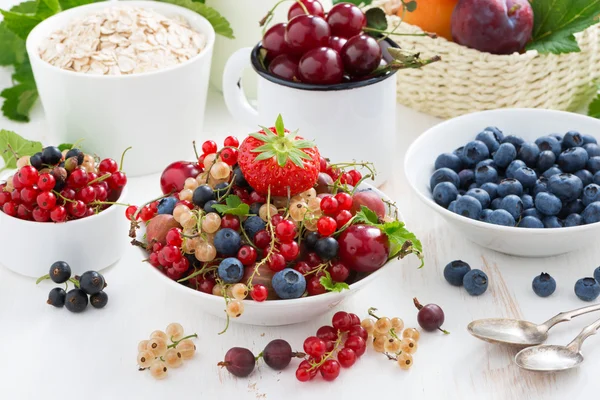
(233, 92)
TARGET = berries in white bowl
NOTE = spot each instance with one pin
(267, 222)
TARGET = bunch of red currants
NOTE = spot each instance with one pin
(322, 49)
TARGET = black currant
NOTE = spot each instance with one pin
(221, 189)
(238, 177)
(76, 300)
(99, 299)
(57, 297)
(60, 272)
(36, 161)
(75, 153)
(91, 282)
(51, 155)
(311, 239)
(208, 206)
(327, 248)
(202, 194)
(255, 208)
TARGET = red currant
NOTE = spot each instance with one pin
(162, 260)
(46, 182)
(10, 208)
(285, 231)
(346, 179)
(356, 176)
(314, 346)
(329, 205)
(174, 238)
(305, 372)
(92, 176)
(306, 32)
(330, 370)
(357, 330)
(339, 272)
(230, 221)
(46, 200)
(247, 255)
(117, 180)
(276, 262)
(341, 321)
(206, 286)
(274, 41)
(346, 20)
(58, 214)
(108, 166)
(172, 253)
(130, 211)
(90, 211)
(290, 250)
(101, 192)
(326, 226)
(147, 213)
(4, 197)
(15, 196)
(78, 178)
(17, 183)
(259, 293)
(229, 156)
(314, 287)
(68, 193)
(344, 201)
(354, 320)
(181, 265)
(302, 267)
(231, 141)
(186, 203)
(174, 274)
(23, 212)
(262, 239)
(209, 147)
(87, 194)
(28, 195)
(77, 209)
(357, 344)
(275, 219)
(342, 218)
(156, 247)
(346, 357)
(312, 6)
(313, 259)
(28, 175)
(327, 333)
(153, 260)
(257, 198)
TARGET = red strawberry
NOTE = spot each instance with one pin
(273, 158)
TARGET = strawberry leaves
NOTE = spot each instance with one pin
(330, 285)
(233, 205)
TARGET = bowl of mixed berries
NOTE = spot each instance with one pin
(59, 203)
(269, 229)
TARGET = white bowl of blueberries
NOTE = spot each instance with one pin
(524, 182)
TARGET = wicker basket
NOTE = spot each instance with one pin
(468, 80)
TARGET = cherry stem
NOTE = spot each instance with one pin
(123, 157)
(176, 342)
(100, 178)
(417, 304)
(428, 34)
(195, 150)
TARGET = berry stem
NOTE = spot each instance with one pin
(63, 198)
(123, 157)
(100, 178)
(250, 243)
(318, 268)
(417, 304)
(109, 203)
(202, 271)
(195, 150)
(41, 278)
(267, 18)
(428, 34)
(176, 342)
(271, 230)
(371, 312)
(134, 217)
(328, 355)
(74, 282)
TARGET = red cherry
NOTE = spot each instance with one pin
(339, 272)
(357, 344)
(173, 237)
(174, 176)
(306, 32)
(247, 255)
(290, 250)
(230, 221)
(209, 147)
(259, 293)
(262, 239)
(28, 175)
(336, 43)
(312, 6)
(302, 267)
(330, 370)
(10, 208)
(276, 262)
(284, 66)
(363, 248)
(58, 214)
(344, 201)
(346, 20)
(46, 182)
(46, 200)
(346, 357)
(326, 226)
(321, 66)
(285, 231)
(231, 141)
(354, 319)
(361, 55)
(327, 333)
(342, 218)
(341, 321)
(229, 156)
(274, 41)
(329, 205)
(314, 287)
(108, 166)
(357, 330)
(314, 346)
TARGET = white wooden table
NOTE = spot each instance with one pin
(51, 353)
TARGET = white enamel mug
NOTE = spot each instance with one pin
(158, 113)
(348, 121)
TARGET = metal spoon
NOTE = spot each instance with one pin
(553, 357)
(521, 333)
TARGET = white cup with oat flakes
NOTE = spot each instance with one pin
(125, 74)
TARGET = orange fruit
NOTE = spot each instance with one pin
(432, 16)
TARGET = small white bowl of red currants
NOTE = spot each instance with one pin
(61, 205)
(272, 236)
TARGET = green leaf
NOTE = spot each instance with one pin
(367, 216)
(12, 47)
(332, 286)
(219, 23)
(66, 4)
(47, 8)
(20, 24)
(26, 7)
(594, 109)
(281, 159)
(555, 22)
(11, 143)
(265, 156)
(279, 128)
(18, 101)
(65, 146)
(376, 20)
(410, 6)
(233, 205)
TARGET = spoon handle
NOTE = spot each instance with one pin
(567, 315)
(588, 331)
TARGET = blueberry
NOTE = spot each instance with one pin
(557, 136)
(51, 155)
(586, 176)
(455, 272)
(485, 215)
(75, 153)
(532, 212)
(311, 239)
(238, 177)
(208, 206)
(593, 164)
(530, 222)
(513, 204)
(481, 195)
(574, 220)
(91, 282)
(202, 194)
(501, 217)
(543, 285)
(255, 208)
(552, 222)
(597, 178)
(589, 139)
(527, 201)
(548, 204)
(505, 154)
(513, 167)
(510, 186)
(587, 289)
(466, 178)
(444, 175)
(554, 170)
(99, 299)
(57, 297)
(221, 189)
(573, 159)
(529, 153)
(60, 272)
(526, 176)
(486, 163)
(567, 187)
(490, 139)
(228, 242)
(76, 300)
(497, 132)
(231, 270)
(591, 193)
(485, 174)
(545, 160)
(475, 151)
(514, 140)
(540, 186)
(445, 193)
(591, 214)
(574, 207)
(495, 204)
(327, 248)
(572, 139)
(549, 143)
(475, 282)
(592, 149)
(469, 207)
(597, 274)
(491, 188)
(452, 206)
(448, 160)
(167, 205)
(253, 224)
(472, 186)
(36, 161)
(289, 284)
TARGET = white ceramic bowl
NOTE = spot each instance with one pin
(527, 123)
(114, 112)
(93, 243)
(271, 312)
